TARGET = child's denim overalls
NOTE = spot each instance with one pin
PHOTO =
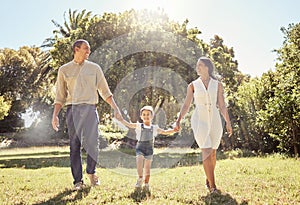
(145, 145)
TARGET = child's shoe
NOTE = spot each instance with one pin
(146, 187)
(139, 183)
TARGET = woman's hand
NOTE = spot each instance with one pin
(229, 129)
(177, 126)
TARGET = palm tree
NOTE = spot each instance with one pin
(75, 21)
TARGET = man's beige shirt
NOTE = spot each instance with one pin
(80, 84)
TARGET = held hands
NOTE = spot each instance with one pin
(177, 126)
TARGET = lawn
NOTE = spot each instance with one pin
(41, 175)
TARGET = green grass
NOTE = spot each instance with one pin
(42, 176)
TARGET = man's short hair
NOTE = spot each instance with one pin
(78, 43)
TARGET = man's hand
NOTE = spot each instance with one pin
(55, 123)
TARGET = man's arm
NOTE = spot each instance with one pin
(110, 100)
(55, 119)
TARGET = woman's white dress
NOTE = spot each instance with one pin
(206, 120)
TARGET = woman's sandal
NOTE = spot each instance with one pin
(211, 190)
(207, 184)
(214, 191)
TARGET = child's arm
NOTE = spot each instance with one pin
(166, 132)
(128, 124)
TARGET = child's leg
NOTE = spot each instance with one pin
(147, 167)
(139, 165)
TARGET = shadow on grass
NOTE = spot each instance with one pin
(68, 196)
(107, 159)
(140, 194)
(124, 158)
(35, 154)
(220, 198)
(36, 163)
(116, 159)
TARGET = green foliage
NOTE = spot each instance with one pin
(281, 116)
(74, 27)
(264, 111)
(270, 105)
(126, 42)
(24, 81)
(4, 107)
(123, 43)
(251, 98)
(110, 131)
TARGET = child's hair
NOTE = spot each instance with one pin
(147, 107)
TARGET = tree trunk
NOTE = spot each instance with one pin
(295, 141)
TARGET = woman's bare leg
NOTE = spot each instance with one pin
(214, 158)
(208, 165)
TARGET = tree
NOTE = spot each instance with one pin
(155, 55)
(138, 31)
(75, 25)
(24, 82)
(281, 117)
(252, 97)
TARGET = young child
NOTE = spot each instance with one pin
(145, 134)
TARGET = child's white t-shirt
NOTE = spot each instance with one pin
(138, 130)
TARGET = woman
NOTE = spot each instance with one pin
(207, 93)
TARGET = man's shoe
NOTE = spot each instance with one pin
(79, 186)
(94, 179)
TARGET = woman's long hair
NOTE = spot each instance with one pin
(210, 65)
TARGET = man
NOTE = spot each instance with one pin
(77, 87)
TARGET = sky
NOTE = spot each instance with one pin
(251, 27)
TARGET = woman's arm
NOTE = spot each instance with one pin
(223, 108)
(186, 105)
